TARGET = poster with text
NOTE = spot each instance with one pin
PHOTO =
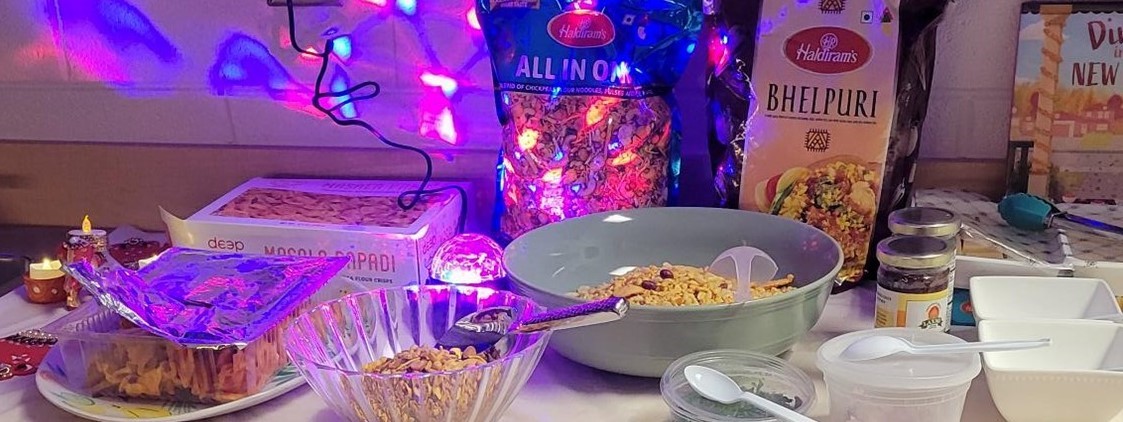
(1068, 99)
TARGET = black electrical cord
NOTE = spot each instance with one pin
(408, 199)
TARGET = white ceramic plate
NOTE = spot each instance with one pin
(51, 380)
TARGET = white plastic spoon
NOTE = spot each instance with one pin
(1108, 317)
(875, 347)
(746, 265)
(718, 387)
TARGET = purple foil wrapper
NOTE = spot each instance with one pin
(206, 299)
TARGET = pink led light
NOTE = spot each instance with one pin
(622, 73)
(447, 84)
(310, 54)
(473, 21)
(379, 3)
(468, 258)
(446, 129)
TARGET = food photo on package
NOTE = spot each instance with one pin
(816, 109)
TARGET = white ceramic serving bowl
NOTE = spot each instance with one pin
(1063, 382)
(1041, 298)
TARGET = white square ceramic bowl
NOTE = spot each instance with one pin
(1062, 382)
(1042, 298)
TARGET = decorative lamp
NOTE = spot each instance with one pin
(468, 259)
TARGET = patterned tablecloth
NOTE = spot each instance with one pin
(1053, 246)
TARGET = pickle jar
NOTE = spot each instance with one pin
(925, 221)
(914, 282)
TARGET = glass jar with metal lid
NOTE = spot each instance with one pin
(914, 282)
(925, 221)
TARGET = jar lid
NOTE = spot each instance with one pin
(915, 252)
(924, 221)
(901, 371)
(771, 377)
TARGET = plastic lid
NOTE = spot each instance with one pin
(775, 379)
(924, 221)
(915, 252)
(901, 371)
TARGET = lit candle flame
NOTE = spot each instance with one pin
(86, 226)
(46, 263)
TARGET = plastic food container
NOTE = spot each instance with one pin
(770, 377)
(105, 356)
(901, 387)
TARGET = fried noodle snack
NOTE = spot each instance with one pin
(161, 370)
(306, 207)
(678, 285)
(615, 156)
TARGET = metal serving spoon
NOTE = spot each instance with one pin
(487, 328)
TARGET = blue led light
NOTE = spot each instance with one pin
(342, 47)
(409, 7)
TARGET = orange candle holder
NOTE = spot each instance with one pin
(52, 290)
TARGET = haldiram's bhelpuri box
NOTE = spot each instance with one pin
(359, 219)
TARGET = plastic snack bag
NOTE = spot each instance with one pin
(816, 109)
(583, 91)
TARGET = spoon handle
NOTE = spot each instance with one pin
(780, 412)
(990, 346)
(606, 310)
(1107, 317)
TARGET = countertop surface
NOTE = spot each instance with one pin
(560, 390)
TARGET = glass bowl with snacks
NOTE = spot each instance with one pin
(657, 258)
(372, 357)
(772, 378)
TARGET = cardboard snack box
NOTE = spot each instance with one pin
(360, 219)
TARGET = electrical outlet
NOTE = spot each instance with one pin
(305, 3)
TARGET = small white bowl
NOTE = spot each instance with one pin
(1062, 382)
(1042, 298)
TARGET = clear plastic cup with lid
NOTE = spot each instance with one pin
(768, 376)
(901, 387)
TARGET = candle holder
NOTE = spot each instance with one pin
(86, 244)
(45, 291)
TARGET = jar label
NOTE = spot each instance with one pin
(926, 311)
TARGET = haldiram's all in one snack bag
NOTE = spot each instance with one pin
(816, 110)
(583, 91)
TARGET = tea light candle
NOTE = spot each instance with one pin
(88, 231)
(46, 270)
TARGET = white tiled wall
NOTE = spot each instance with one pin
(62, 80)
